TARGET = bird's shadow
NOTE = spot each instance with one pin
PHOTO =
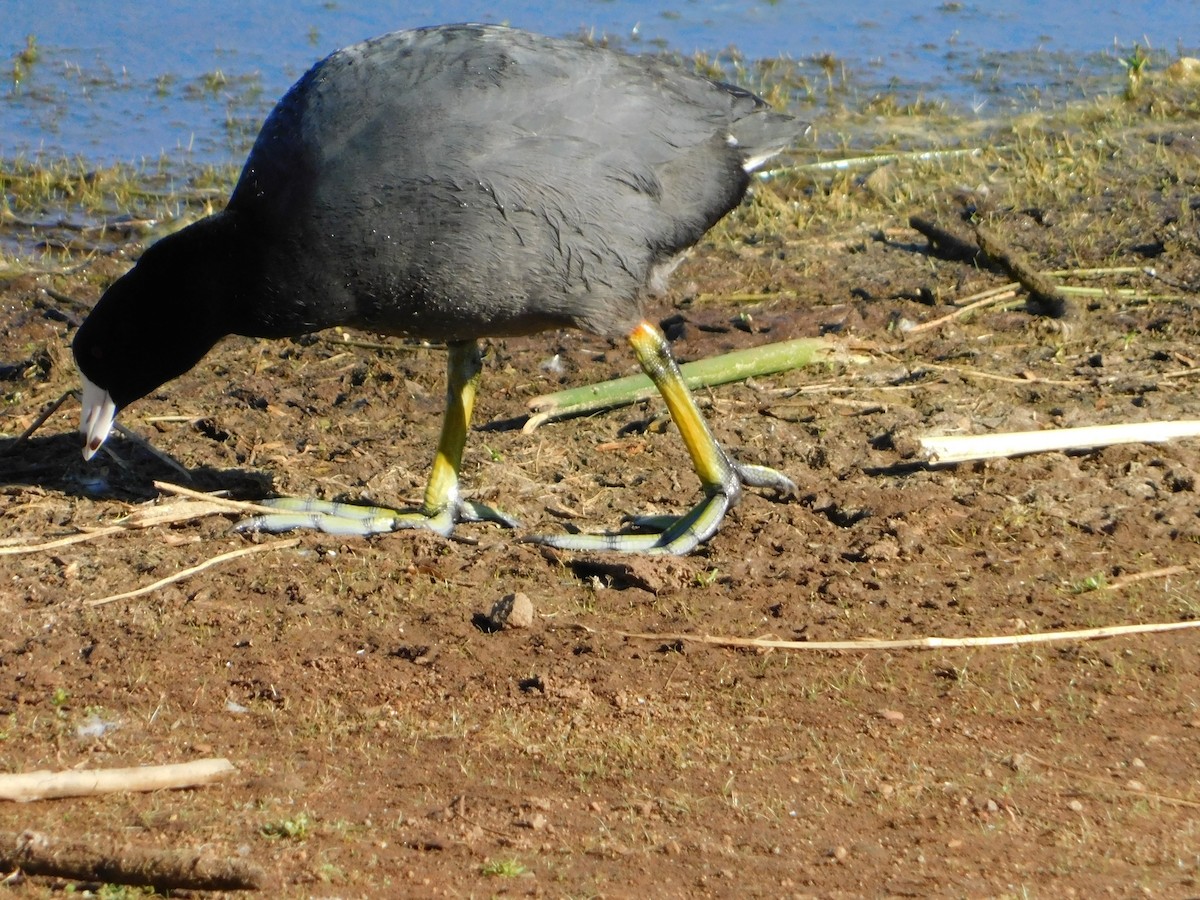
(54, 463)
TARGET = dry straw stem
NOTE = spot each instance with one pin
(876, 159)
(987, 298)
(967, 447)
(38, 422)
(224, 503)
(1005, 292)
(1107, 783)
(153, 515)
(47, 785)
(344, 339)
(925, 643)
(188, 573)
(36, 854)
(17, 549)
(149, 448)
(1127, 580)
(1008, 379)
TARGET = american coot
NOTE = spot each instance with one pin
(453, 183)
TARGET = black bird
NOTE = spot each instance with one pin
(453, 183)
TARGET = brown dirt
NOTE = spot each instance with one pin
(412, 751)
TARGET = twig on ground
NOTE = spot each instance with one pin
(925, 643)
(239, 506)
(81, 305)
(1099, 270)
(969, 447)
(152, 450)
(188, 573)
(1181, 373)
(36, 854)
(1132, 294)
(1126, 580)
(989, 298)
(154, 515)
(744, 297)
(38, 422)
(47, 785)
(18, 549)
(992, 376)
(344, 339)
(1107, 782)
(151, 515)
(950, 245)
(1042, 290)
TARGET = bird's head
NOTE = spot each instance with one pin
(152, 324)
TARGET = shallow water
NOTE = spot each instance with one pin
(128, 81)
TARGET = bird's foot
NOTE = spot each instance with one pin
(350, 520)
(679, 535)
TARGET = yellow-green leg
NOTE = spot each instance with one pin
(721, 479)
(443, 507)
(463, 367)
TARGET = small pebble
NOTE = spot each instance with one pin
(512, 611)
(536, 822)
(1075, 806)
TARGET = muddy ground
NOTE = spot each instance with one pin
(388, 743)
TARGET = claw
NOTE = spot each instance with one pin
(772, 479)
